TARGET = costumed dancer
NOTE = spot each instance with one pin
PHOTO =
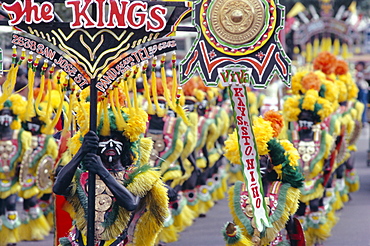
(62, 209)
(314, 144)
(131, 200)
(189, 191)
(38, 161)
(353, 113)
(167, 131)
(222, 114)
(317, 80)
(13, 143)
(207, 136)
(281, 181)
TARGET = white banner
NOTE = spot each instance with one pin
(248, 148)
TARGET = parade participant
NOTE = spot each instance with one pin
(363, 87)
(14, 141)
(304, 114)
(131, 200)
(281, 182)
(174, 141)
(38, 161)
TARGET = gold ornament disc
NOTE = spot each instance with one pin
(103, 202)
(237, 21)
(44, 171)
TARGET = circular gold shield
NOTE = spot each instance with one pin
(237, 21)
(44, 171)
(103, 202)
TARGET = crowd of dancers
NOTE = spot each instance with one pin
(163, 154)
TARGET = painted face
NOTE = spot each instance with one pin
(6, 117)
(305, 123)
(202, 107)
(34, 126)
(110, 150)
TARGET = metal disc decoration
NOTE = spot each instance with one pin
(237, 32)
(237, 21)
(43, 172)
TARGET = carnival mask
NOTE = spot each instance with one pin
(34, 126)
(202, 108)
(306, 121)
(6, 117)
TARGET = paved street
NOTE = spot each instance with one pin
(353, 228)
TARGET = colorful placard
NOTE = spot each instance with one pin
(243, 32)
(94, 43)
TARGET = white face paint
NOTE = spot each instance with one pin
(33, 127)
(111, 148)
(304, 124)
(6, 120)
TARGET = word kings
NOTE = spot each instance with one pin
(109, 14)
(117, 13)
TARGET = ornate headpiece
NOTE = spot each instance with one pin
(310, 101)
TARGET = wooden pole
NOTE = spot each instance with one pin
(91, 179)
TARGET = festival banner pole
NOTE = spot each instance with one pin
(92, 177)
(238, 46)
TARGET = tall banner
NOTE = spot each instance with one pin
(238, 46)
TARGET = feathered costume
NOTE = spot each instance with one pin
(115, 223)
(281, 182)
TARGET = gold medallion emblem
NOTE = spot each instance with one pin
(44, 171)
(237, 21)
(103, 202)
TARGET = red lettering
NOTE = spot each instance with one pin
(244, 130)
(250, 164)
(30, 11)
(255, 192)
(242, 110)
(241, 76)
(116, 14)
(112, 74)
(157, 14)
(240, 120)
(80, 13)
(135, 18)
(252, 176)
(105, 83)
(237, 92)
(248, 150)
(100, 13)
(240, 102)
(258, 202)
(246, 138)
